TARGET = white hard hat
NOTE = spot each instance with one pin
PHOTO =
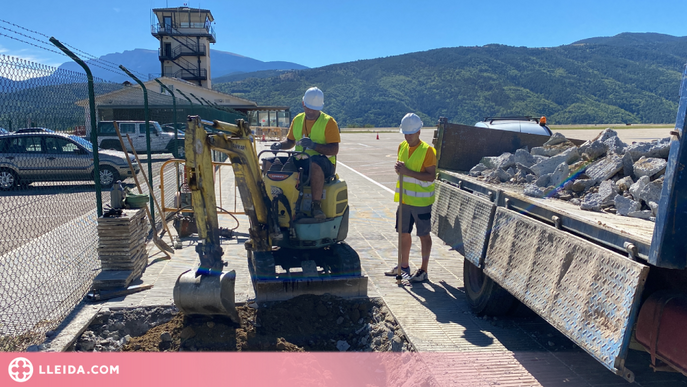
(314, 98)
(410, 124)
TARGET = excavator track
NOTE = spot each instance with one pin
(338, 273)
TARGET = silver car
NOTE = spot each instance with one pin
(32, 157)
(525, 124)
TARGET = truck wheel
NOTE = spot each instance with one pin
(8, 180)
(111, 144)
(108, 176)
(180, 149)
(484, 295)
(345, 260)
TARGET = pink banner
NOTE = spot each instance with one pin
(227, 369)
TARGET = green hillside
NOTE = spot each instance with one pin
(629, 78)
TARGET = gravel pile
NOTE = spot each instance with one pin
(305, 323)
(603, 174)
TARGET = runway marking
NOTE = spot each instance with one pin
(344, 165)
(365, 145)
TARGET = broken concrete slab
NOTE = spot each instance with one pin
(646, 214)
(478, 169)
(649, 166)
(607, 193)
(533, 191)
(555, 139)
(581, 185)
(661, 148)
(543, 181)
(625, 205)
(628, 165)
(638, 186)
(615, 145)
(549, 165)
(639, 149)
(652, 191)
(654, 208)
(559, 176)
(624, 184)
(73, 326)
(593, 149)
(605, 168)
(504, 161)
(591, 202)
(524, 157)
(606, 134)
(541, 151)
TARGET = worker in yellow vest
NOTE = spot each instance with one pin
(417, 163)
(318, 135)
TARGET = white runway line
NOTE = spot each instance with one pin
(344, 165)
(365, 145)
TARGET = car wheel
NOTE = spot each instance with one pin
(8, 180)
(108, 176)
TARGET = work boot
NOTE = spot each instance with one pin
(317, 212)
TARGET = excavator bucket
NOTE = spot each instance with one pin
(206, 294)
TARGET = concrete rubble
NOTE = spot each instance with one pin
(603, 174)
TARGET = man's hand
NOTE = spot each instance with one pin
(401, 168)
(307, 143)
(276, 146)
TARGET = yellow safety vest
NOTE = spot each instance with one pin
(416, 192)
(316, 133)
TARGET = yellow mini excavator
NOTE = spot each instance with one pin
(289, 252)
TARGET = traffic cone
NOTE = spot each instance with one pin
(263, 137)
(377, 136)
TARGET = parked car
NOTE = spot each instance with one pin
(525, 124)
(34, 130)
(32, 157)
(169, 128)
(160, 141)
(3, 131)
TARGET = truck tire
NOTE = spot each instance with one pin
(180, 148)
(484, 295)
(111, 144)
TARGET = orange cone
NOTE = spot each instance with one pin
(263, 137)
(377, 136)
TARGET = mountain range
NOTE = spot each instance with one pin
(143, 62)
(627, 78)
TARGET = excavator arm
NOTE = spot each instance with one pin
(236, 141)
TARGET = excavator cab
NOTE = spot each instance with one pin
(289, 252)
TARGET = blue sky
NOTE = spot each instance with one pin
(318, 33)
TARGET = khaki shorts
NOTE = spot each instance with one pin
(419, 216)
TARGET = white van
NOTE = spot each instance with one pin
(160, 141)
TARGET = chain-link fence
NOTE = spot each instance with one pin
(48, 252)
(48, 215)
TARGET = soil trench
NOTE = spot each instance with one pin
(304, 323)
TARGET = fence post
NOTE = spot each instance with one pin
(147, 118)
(187, 98)
(176, 130)
(174, 117)
(199, 101)
(94, 128)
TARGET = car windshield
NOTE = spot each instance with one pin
(82, 142)
(157, 126)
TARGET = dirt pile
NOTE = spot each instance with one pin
(604, 174)
(305, 323)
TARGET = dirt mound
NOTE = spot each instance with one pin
(305, 323)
